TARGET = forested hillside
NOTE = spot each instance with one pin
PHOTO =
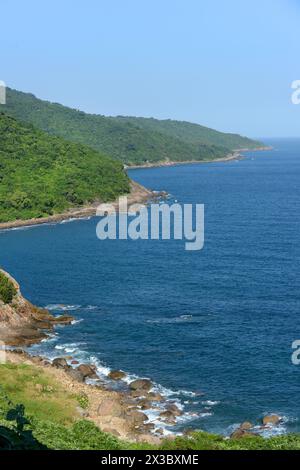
(42, 175)
(131, 140)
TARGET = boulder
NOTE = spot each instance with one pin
(88, 371)
(110, 407)
(168, 417)
(240, 434)
(152, 396)
(271, 420)
(172, 408)
(137, 394)
(146, 427)
(136, 418)
(116, 375)
(74, 362)
(75, 374)
(246, 426)
(60, 363)
(141, 385)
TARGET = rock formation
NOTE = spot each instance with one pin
(21, 323)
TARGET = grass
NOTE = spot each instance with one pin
(42, 397)
(36, 412)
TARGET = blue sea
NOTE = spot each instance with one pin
(213, 328)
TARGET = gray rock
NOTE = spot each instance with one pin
(60, 363)
(116, 375)
(75, 374)
(88, 370)
(143, 385)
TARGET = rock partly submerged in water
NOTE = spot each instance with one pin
(172, 408)
(116, 375)
(271, 420)
(141, 385)
(152, 396)
(246, 426)
(88, 371)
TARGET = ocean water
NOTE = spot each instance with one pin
(218, 322)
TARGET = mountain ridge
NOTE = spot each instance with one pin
(132, 140)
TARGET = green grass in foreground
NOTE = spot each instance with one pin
(37, 413)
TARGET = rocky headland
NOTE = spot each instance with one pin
(22, 323)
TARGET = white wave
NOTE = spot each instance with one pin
(102, 369)
(26, 227)
(273, 430)
(62, 307)
(180, 319)
(210, 403)
(74, 219)
(51, 338)
(74, 322)
(70, 346)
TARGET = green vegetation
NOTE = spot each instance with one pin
(38, 413)
(7, 289)
(131, 140)
(42, 175)
(83, 401)
(193, 134)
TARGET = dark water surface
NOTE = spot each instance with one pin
(220, 321)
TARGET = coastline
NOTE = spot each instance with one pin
(125, 402)
(128, 407)
(114, 412)
(138, 194)
(236, 155)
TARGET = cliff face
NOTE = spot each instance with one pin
(21, 323)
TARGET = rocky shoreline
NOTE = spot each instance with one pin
(121, 413)
(138, 194)
(236, 155)
(124, 414)
(23, 324)
(125, 411)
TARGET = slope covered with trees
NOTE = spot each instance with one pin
(42, 175)
(131, 140)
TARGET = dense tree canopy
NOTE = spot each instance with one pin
(131, 140)
(42, 175)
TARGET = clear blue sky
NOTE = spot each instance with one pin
(227, 64)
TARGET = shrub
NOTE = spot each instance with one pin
(7, 289)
